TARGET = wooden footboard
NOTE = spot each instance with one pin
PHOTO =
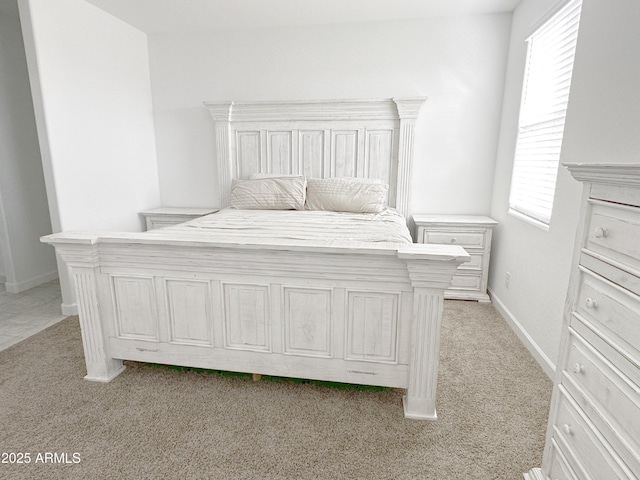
(360, 314)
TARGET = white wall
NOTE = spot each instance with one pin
(602, 126)
(24, 214)
(94, 87)
(90, 76)
(458, 62)
(603, 123)
(4, 244)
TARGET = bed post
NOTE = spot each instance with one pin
(221, 114)
(82, 259)
(408, 110)
(429, 278)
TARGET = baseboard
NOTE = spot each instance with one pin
(545, 363)
(69, 309)
(17, 287)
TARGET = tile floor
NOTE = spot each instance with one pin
(27, 313)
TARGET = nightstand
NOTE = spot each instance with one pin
(166, 216)
(473, 233)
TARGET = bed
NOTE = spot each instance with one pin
(231, 291)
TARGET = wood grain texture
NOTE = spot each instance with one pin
(354, 312)
(319, 139)
(593, 429)
(322, 315)
(473, 233)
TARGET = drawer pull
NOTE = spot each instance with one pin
(591, 303)
(600, 232)
(566, 428)
(578, 369)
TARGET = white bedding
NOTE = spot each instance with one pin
(320, 227)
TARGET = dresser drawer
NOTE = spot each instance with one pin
(613, 310)
(558, 466)
(588, 452)
(607, 396)
(613, 231)
(464, 239)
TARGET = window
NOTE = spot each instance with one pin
(545, 95)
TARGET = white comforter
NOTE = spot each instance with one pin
(321, 227)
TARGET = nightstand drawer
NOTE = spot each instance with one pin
(168, 216)
(476, 263)
(466, 282)
(154, 223)
(464, 239)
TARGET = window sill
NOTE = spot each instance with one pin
(529, 220)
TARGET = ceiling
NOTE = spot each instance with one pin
(166, 16)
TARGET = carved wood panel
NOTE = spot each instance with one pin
(372, 326)
(248, 148)
(345, 153)
(280, 153)
(317, 153)
(135, 307)
(307, 321)
(189, 310)
(246, 316)
(313, 153)
(319, 139)
(379, 155)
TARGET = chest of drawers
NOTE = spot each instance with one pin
(594, 421)
(473, 233)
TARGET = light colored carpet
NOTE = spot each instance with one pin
(159, 423)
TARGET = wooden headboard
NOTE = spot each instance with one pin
(318, 139)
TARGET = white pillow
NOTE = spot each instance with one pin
(347, 194)
(281, 193)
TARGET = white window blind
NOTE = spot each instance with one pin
(543, 108)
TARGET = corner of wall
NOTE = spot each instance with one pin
(17, 287)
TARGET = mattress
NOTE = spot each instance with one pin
(315, 226)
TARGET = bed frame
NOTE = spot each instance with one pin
(360, 313)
